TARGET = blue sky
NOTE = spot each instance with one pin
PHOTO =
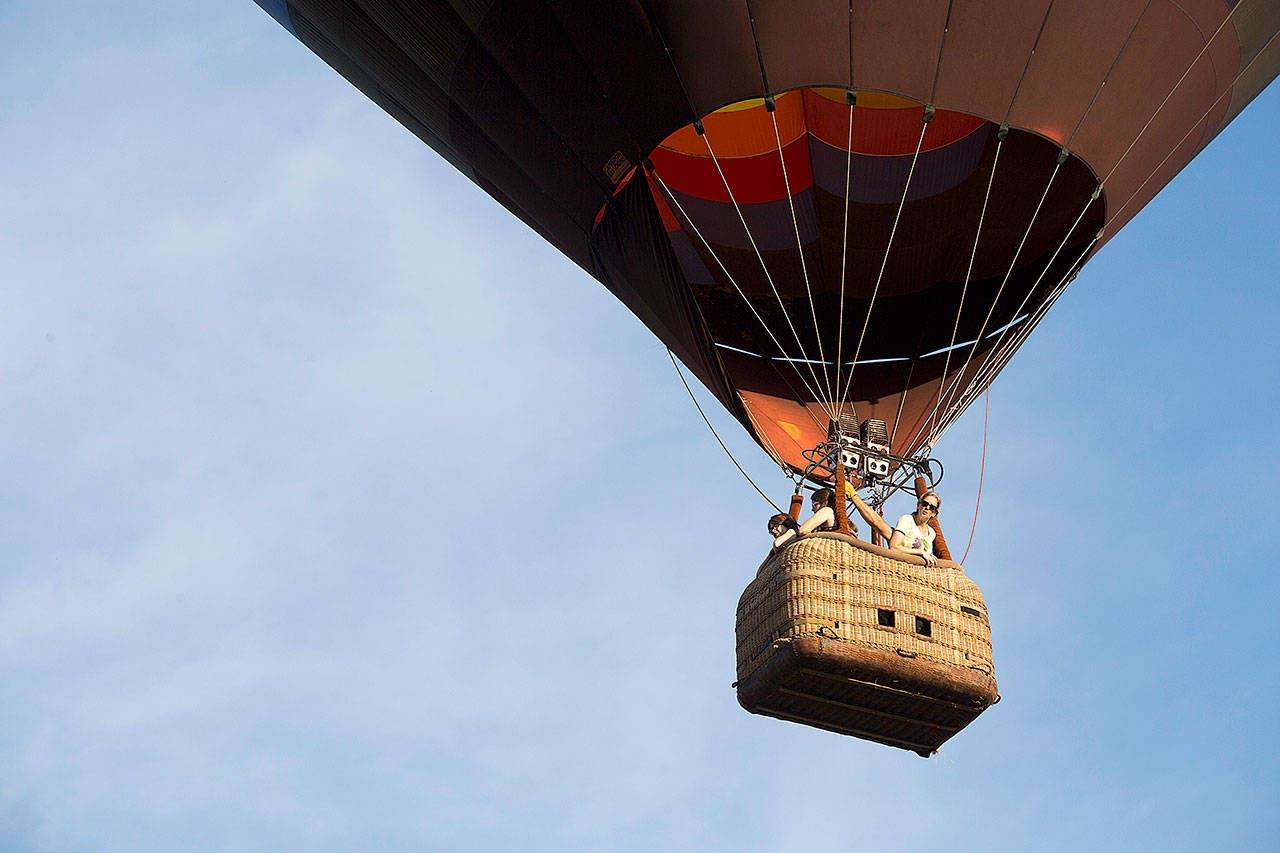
(266, 583)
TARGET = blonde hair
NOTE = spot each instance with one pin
(934, 495)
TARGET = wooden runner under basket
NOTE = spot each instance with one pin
(840, 634)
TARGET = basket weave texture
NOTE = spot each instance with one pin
(833, 586)
(821, 603)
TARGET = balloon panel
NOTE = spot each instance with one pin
(551, 107)
(775, 250)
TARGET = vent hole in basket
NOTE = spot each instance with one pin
(971, 611)
(885, 618)
(924, 627)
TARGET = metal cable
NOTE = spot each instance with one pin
(785, 357)
(1025, 331)
(949, 393)
(707, 421)
(844, 243)
(1204, 49)
(765, 267)
(1044, 307)
(902, 398)
(1026, 66)
(1032, 289)
(977, 237)
(1202, 52)
(1098, 91)
(1227, 91)
(804, 267)
(983, 377)
(885, 262)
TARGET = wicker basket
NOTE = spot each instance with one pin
(840, 634)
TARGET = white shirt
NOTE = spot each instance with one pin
(913, 535)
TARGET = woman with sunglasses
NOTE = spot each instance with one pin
(913, 533)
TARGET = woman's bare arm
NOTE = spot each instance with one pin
(826, 515)
(870, 516)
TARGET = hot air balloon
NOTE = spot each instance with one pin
(844, 218)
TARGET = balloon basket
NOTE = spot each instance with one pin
(846, 636)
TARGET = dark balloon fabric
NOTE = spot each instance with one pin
(794, 235)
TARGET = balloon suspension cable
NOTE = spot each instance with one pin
(947, 395)
(1227, 91)
(719, 441)
(1033, 322)
(902, 202)
(994, 360)
(935, 429)
(769, 447)
(981, 374)
(982, 474)
(733, 281)
(804, 266)
(955, 392)
(852, 98)
(902, 397)
(1115, 62)
(1209, 41)
(968, 275)
(764, 267)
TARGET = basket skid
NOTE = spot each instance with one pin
(866, 693)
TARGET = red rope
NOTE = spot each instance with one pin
(982, 470)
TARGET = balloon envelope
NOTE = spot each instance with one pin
(787, 249)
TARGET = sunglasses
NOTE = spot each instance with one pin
(927, 505)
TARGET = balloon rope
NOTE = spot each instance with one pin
(1202, 52)
(765, 267)
(772, 450)
(968, 274)
(804, 266)
(707, 421)
(933, 423)
(796, 396)
(906, 189)
(844, 242)
(948, 394)
(1026, 66)
(902, 398)
(1025, 330)
(934, 430)
(688, 220)
(983, 378)
(1030, 290)
(1226, 91)
(942, 47)
(693, 111)
(982, 474)
(1114, 62)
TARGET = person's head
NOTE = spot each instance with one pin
(928, 507)
(779, 523)
(823, 498)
